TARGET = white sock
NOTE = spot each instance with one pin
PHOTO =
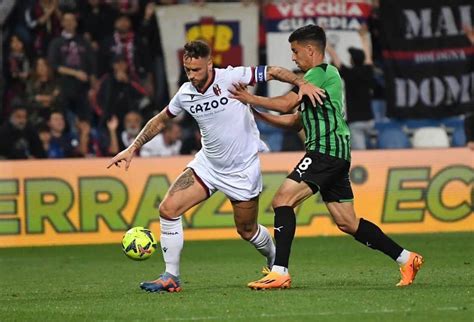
(280, 269)
(403, 258)
(172, 241)
(263, 242)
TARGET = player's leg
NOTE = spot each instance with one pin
(245, 217)
(185, 192)
(338, 199)
(289, 195)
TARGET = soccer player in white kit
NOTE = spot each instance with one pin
(228, 160)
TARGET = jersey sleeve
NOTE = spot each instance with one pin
(241, 74)
(175, 107)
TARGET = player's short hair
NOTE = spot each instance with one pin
(310, 33)
(196, 49)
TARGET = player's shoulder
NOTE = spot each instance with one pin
(233, 70)
(185, 88)
(184, 91)
(323, 70)
(331, 68)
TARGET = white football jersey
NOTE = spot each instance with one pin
(230, 138)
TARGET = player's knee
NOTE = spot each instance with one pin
(247, 231)
(167, 210)
(347, 226)
(280, 200)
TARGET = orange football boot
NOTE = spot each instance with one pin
(409, 270)
(270, 281)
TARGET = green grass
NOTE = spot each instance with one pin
(334, 279)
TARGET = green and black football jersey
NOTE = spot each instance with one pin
(326, 130)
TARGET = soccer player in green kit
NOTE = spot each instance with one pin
(324, 167)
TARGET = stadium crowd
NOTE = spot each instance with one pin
(80, 78)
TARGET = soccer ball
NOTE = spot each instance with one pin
(138, 243)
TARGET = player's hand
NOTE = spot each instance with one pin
(314, 93)
(239, 92)
(126, 155)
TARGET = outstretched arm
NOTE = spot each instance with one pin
(366, 46)
(335, 60)
(284, 75)
(283, 104)
(286, 121)
(151, 129)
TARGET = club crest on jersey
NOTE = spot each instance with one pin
(217, 90)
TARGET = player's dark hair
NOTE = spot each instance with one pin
(310, 33)
(197, 49)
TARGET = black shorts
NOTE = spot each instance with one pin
(326, 174)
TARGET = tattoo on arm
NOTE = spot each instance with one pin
(284, 75)
(151, 129)
(185, 181)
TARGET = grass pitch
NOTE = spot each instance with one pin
(334, 279)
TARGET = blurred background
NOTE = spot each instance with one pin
(80, 78)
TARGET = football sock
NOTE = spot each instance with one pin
(372, 236)
(284, 230)
(403, 258)
(264, 244)
(280, 269)
(172, 241)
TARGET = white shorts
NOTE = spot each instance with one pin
(241, 185)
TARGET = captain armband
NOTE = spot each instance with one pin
(261, 74)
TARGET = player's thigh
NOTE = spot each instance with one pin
(291, 193)
(344, 216)
(185, 192)
(245, 217)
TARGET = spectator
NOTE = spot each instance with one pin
(109, 143)
(125, 42)
(132, 124)
(72, 58)
(151, 34)
(97, 22)
(44, 19)
(166, 143)
(18, 67)
(44, 135)
(69, 6)
(359, 82)
(375, 26)
(192, 144)
(379, 104)
(117, 93)
(19, 139)
(62, 143)
(128, 8)
(42, 92)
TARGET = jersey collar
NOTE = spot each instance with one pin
(210, 83)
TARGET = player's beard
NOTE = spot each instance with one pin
(200, 84)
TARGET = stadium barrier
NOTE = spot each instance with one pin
(79, 201)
